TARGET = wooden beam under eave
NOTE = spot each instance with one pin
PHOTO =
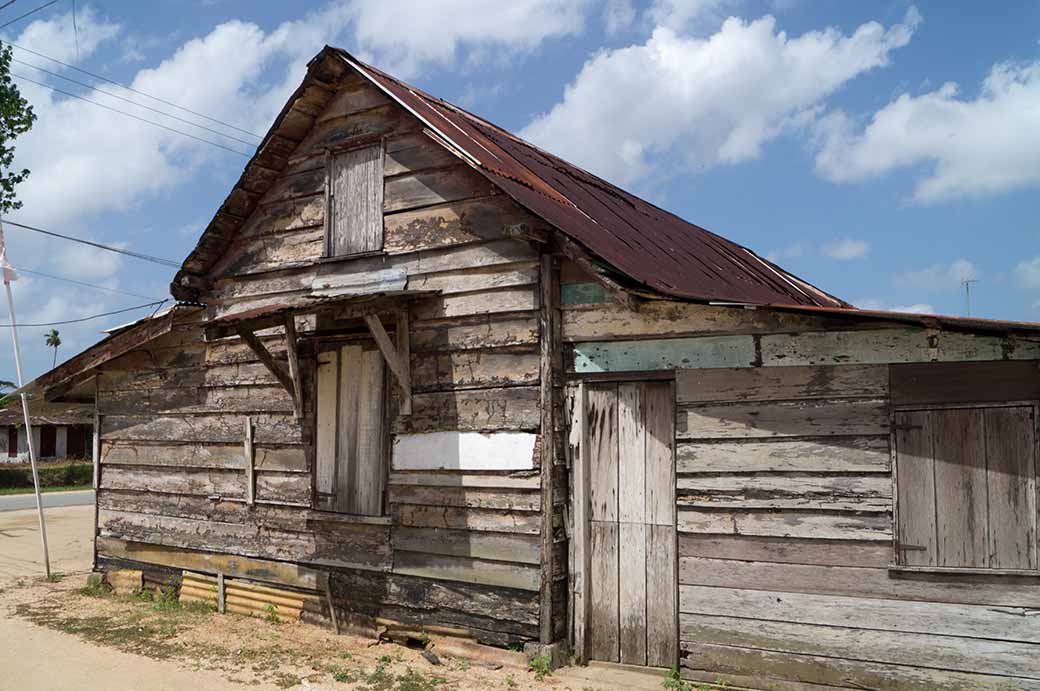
(399, 366)
(280, 373)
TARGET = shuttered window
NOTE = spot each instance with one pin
(966, 480)
(354, 219)
(350, 459)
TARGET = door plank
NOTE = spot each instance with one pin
(370, 480)
(960, 487)
(347, 437)
(603, 592)
(325, 462)
(603, 452)
(631, 437)
(1011, 488)
(660, 453)
(916, 487)
(632, 584)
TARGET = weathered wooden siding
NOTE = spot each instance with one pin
(784, 493)
(459, 547)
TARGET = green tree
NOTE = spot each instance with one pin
(16, 117)
(5, 398)
(54, 341)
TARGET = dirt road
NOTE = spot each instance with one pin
(58, 635)
(33, 657)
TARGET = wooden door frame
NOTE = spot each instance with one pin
(332, 343)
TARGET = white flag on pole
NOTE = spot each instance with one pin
(9, 273)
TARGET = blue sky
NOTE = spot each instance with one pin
(885, 151)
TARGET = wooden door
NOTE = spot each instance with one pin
(77, 442)
(12, 442)
(628, 457)
(351, 454)
(48, 441)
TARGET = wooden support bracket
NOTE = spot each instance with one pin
(294, 365)
(282, 374)
(580, 257)
(398, 365)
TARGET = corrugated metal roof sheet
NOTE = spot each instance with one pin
(649, 245)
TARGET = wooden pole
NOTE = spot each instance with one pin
(25, 406)
(250, 460)
(221, 594)
(549, 349)
(95, 453)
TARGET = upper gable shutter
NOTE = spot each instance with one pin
(355, 213)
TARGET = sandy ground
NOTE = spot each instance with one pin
(61, 635)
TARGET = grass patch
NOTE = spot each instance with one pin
(44, 490)
(128, 635)
(541, 665)
(57, 475)
(675, 682)
(383, 678)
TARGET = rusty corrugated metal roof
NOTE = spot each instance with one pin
(648, 244)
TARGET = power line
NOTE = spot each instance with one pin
(131, 115)
(136, 91)
(135, 255)
(7, 4)
(131, 101)
(86, 319)
(75, 29)
(83, 283)
(21, 17)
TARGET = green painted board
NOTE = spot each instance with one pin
(880, 346)
(664, 354)
(583, 294)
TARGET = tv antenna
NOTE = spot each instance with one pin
(968, 283)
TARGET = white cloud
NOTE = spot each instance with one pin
(681, 101)
(916, 308)
(1027, 273)
(939, 277)
(970, 148)
(881, 306)
(55, 36)
(682, 15)
(846, 248)
(618, 15)
(791, 251)
(87, 161)
(406, 35)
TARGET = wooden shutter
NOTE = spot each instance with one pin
(355, 213)
(350, 466)
(966, 483)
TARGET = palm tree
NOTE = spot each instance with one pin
(54, 341)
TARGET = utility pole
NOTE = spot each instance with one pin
(10, 275)
(968, 282)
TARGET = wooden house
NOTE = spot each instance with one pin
(59, 431)
(455, 383)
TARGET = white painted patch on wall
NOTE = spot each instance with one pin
(464, 451)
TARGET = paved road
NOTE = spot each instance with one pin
(17, 502)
